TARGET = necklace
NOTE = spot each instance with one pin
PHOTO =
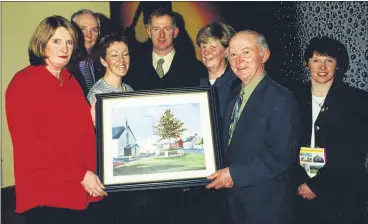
(318, 103)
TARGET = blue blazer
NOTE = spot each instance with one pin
(263, 147)
(223, 86)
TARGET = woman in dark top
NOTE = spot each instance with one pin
(213, 40)
(334, 118)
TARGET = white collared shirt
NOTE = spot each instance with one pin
(167, 58)
(317, 104)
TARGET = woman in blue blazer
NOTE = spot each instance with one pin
(213, 40)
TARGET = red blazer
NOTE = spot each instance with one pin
(53, 139)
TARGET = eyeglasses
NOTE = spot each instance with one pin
(93, 31)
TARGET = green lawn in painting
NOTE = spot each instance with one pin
(153, 165)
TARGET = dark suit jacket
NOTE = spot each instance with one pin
(99, 71)
(262, 149)
(183, 72)
(223, 87)
(340, 128)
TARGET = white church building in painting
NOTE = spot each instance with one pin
(124, 142)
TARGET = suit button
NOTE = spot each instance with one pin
(316, 128)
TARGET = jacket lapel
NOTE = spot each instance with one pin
(229, 109)
(251, 110)
(204, 81)
(305, 103)
(325, 116)
(224, 78)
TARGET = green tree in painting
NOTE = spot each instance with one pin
(168, 127)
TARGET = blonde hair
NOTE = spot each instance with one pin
(215, 31)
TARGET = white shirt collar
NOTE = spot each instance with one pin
(167, 58)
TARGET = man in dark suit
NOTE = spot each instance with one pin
(87, 68)
(160, 65)
(261, 130)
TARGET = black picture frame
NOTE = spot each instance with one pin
(125, 165)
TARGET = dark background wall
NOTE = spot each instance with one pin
(288, 27)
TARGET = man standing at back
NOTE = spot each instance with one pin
(261, 131)
(163, 67)
(87, 68)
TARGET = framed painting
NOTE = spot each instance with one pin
(157, 139)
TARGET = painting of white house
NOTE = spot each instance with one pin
(157, 138)
(126, 143)
(153, 139)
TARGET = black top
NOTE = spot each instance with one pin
(340, 128)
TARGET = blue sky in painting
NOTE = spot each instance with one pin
(141, 119)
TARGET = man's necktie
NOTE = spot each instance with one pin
(235, 116)
(159, 69)
(87, 73)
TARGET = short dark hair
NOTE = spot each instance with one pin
(162, 12)
(107, 40)
(327, 46)
(43, 33)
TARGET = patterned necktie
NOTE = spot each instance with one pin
(235, 116)
(159, 69)
(87, 73)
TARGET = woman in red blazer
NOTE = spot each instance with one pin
(52, 131)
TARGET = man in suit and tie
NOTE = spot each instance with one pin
(87, 68)
(261, 131)
(160, 65)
